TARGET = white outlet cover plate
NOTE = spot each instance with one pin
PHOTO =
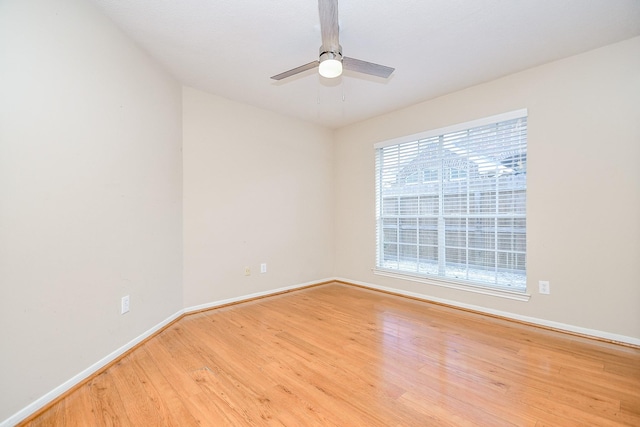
(124, 305)
(543, 287)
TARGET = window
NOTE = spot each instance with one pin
(465, 220)
(430, 175)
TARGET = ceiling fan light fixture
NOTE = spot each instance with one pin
(330, 64)
(330, 68)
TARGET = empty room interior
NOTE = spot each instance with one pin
(200, 226)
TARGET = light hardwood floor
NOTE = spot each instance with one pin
(339, 355)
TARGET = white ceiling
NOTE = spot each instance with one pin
(232, 47)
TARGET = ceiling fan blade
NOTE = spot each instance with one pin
(367, 67)
(295, 71)
(329, 25)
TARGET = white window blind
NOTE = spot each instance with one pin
(452, 204)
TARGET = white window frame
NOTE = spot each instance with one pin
(439, 280)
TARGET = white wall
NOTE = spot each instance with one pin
(90, 194)
(257, 188)
(583, 200)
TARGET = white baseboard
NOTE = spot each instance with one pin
(77, 379)
(252, 296)
(533, 320)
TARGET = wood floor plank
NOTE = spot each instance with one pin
(139, 407)
(166, 400)
(106, 403)
(340, 355)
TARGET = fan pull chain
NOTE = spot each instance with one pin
(342, 84)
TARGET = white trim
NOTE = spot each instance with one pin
(446, 283)
(219, 303)
(454, 128)
(77, 379)
(43, 401)
(49, 397)
(532, 320)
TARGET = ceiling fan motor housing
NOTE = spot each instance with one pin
(330, 54)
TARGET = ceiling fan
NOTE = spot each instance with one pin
(331, 62)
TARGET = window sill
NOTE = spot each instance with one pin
(451, 284)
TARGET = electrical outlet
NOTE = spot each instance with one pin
(247, 271)
(263, 267)
(544, 287)
(124, 305)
